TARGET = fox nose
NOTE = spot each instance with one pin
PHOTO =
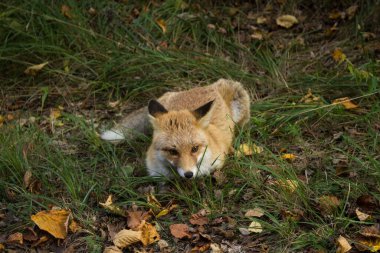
(188, 174)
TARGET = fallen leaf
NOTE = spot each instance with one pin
(310, 98)
(33, 70)
(199, 218)
(15, 238)
(288, 157)
(286, 21)
(215, 248)
(257, 35)
(328, 203)
(335, 14)
(2, 119)
(166, 210)
(74, 226)
(244, 231)
(127, 237)
(110, 206)
(112, 249)
(369, 244)
(135, 218)
(248, 149)
(2, 247)
(162, 24)
(261, 20)
(256, 212)
(27, 178)
(200, 248)
(372, 231)
(361, 216)
(255, 227)
(343, 245)
(346, 102)
(289, 185)
(154, 203)
(54, 222)
(351, 11)
(162, 244)
(149, 234)
(338, 55)
(367, 202)
(114, 103)
(66, 11)
(180, 231)
(294, 215)
(42, 239)
(92, 11)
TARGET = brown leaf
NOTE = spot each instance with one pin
(286, 21)
(361, 216)
(110, 206)
(33, 70)
(135, 218)
(372, 231)
(180, 231)
(127, 237)
(54, 222)
(294, 215)
(42, 239)
(66, 11)
(199, 218)
(328, 203)
(112, 249)
(149, 234)
(200, 248)
(367, 202)
(256, 212)
(2, 247)
(346, 102)
(27, 178)
(343, 245)
(16, 238)
(351, 11)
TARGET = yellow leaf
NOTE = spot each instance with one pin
(346, 102)
(110, 206)
(162, 213)
(256, 212)
(361, 216)
(112, 249)
(255, 227)
(54, 222)
(2, 119)
(261, 20)
(74, 226)
(247, 150)
(149, 234)
(286, 21)
(257, 35)
(55, 113)
(371, 244)
(161, 23)
(127, 237)
(2, 247)
(338, 55)
(33, 70)
(289, 185)
(343, 245)
(289, 157)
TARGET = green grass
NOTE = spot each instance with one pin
(116, 54)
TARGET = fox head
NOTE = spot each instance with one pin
(179, 137)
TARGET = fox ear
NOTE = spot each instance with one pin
(155, 108)
(202, 115)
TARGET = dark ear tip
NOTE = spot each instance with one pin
(155, 108)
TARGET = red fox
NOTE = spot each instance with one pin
(192, 130)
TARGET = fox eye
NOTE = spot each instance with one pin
(173, 152)
(194, 149)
